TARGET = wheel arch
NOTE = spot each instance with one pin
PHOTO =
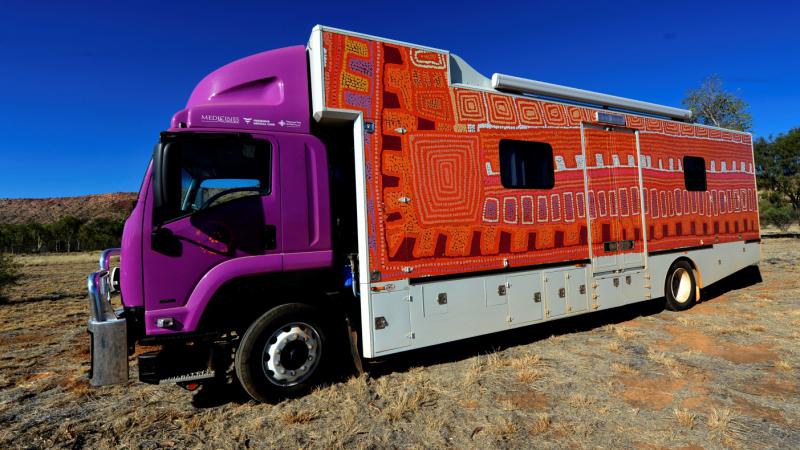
(241, 300)
(698, 277)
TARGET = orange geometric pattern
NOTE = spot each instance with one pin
(436, 205)
(446, 173)
(469, 105)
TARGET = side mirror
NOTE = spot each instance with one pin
(165, 242)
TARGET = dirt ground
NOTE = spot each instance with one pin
(721, 375)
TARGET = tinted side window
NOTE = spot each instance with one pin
(694, 173)
(204, 172)
(526, 165)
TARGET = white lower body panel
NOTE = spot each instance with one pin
(406, 316)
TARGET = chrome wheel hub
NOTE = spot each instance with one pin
(291, 354)
(681, 285)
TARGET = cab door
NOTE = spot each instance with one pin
(612, 192)
(220, 202)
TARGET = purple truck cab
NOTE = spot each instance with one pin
(230, 242)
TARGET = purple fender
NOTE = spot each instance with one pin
(188, 317)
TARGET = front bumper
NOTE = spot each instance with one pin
(108, 332)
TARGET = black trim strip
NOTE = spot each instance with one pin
(459, 276)
(161, 339)
(753, 241)
(679, 250)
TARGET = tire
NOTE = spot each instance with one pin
(284, 353)
(680, 288)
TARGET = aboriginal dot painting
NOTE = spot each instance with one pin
(436, 204)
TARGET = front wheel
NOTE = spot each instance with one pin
(283, 353)
(681, 287)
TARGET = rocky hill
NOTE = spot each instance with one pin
(46, 210)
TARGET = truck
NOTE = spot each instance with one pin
(365, 193)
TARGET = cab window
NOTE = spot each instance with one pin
(206, 172)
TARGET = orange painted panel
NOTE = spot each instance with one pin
(435, 202)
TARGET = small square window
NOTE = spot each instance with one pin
(694, 173)
(526, 165)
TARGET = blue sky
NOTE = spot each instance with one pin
(87, 87)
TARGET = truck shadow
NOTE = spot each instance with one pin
(467, 348)
(213, 396)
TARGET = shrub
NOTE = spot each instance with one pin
(776, 211)
(781, 217)
(9, 273)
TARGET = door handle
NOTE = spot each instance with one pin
(270, 237)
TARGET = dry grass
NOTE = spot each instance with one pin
(625, 369)
(665, 360)
(601, 388)
(402, 401)
(724, 426)
(541, 424)
(783, 365)
(528, 375)
(298, 417)
(685, 417)
(507, 404)
(614, 346)
(527, 368)
(579, 400)
(57, 259)
(738, 329)
(529, 360)
(504, 428)
(495, 359)
(621, 332)
(473, 373)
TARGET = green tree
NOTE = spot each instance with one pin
(37, 236)
(12, 238)
(98, 234)
(9, 273)
(775, 211)
(67, 229)
(778, 167)
(711, 104)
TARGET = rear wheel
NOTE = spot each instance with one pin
(283, 353)
(681, 287)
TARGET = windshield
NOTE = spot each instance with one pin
(205, 171)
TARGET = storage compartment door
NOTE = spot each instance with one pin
(391, 320)
(608, 292)
(555, 293)
(525, 298)
(577, 290)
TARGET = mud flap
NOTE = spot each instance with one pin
(355, 352)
